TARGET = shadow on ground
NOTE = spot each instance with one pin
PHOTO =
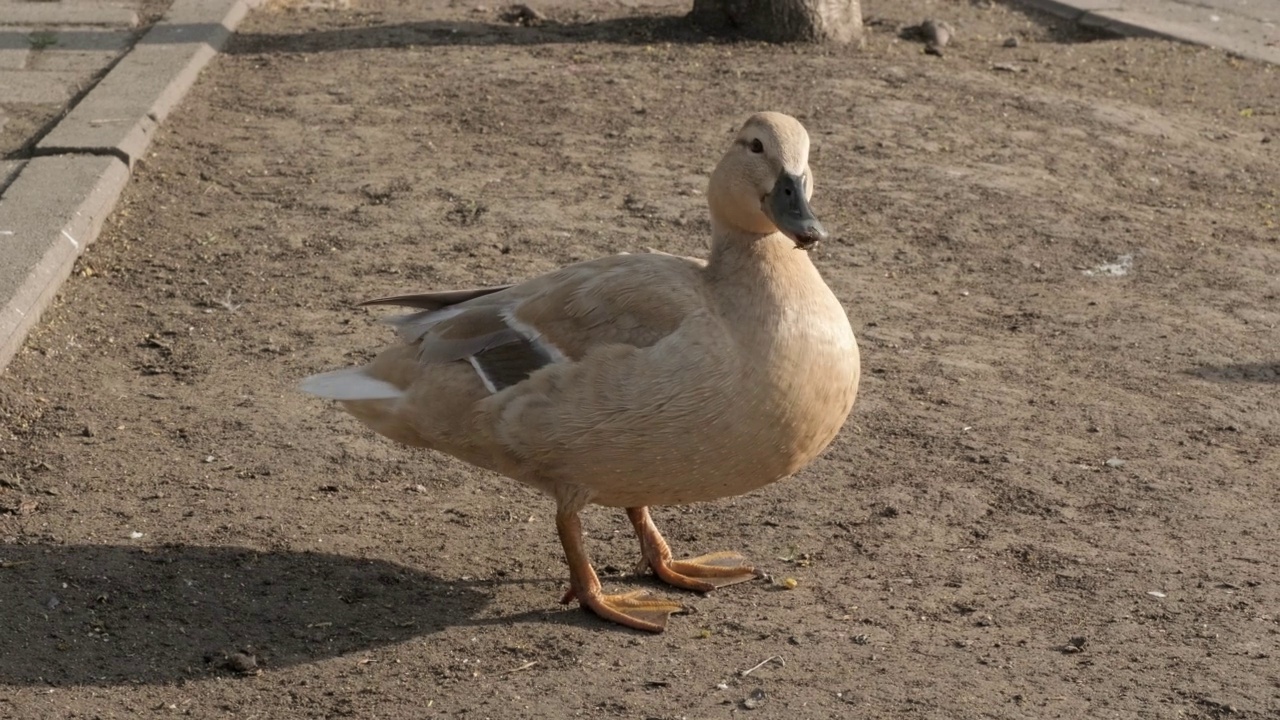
(1262, 372)
(633, 30)
(1059, 29)
(106, 615)
(430, 33)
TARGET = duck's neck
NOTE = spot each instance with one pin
(763, 284)
(764, 261)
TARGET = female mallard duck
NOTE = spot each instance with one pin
(637, 380)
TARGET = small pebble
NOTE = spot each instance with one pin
(1012, 42)
(1115, 463)
(937, 33)
(1075, 644)
(242, 663)
(523, 15)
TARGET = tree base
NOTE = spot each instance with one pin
(817, 21)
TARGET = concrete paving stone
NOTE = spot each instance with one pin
(1246, 37)
(12, 58)
(1244, 20)
(86, 51)
(122, 112)
(8, 168)
(1072, 9)
(48, 214)
(60, 39)
(62, 12)
(92, 40)
(1261, 10)
(15, 46)
(1249, 28)
(40, 88)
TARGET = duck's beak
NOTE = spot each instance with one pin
(787, 208)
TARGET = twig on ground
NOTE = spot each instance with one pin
(762, 663)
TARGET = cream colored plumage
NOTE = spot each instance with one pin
(637, 380)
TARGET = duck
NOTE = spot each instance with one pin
(636, 380)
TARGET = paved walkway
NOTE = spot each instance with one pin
(1248, 28)
(82, 89)
(85, 83)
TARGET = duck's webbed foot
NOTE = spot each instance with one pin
(640, 609)
(703, 573)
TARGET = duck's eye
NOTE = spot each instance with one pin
(757, 147)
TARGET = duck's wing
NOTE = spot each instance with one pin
(508, 333)
(434, 300)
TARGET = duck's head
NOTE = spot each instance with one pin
(763, 183)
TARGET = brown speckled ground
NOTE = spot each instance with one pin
(960, 532)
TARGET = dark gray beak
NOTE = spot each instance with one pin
(788, 209)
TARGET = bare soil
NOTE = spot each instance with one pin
(1056, 498)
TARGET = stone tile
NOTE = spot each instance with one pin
(124, 109)
(15, 46)
(83, 12)
(1244, 36)
(1248, 29)
(56, 39)
(9, 169)
(13, 58)
(42, 88)
(81, 50)
(1072, 8)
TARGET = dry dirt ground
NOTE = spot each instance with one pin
(1056, 498)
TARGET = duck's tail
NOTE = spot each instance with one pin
(349, 384)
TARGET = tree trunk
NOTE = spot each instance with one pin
(834, 21)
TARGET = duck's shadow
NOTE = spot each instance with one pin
(103, 615)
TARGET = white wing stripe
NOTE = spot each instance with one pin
(531, 334)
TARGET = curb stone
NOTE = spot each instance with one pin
(1198, 24)
(1124, 22)
(54, 208)
(81, 13)
(120, 115)
(53, 205)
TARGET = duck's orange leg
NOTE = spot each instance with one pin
(640, 609)
(703, 573)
